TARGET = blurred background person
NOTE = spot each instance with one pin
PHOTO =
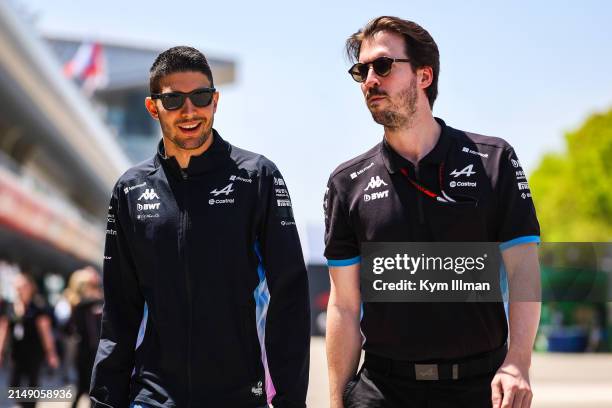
(27, 323)
(84, 294)
(66, 341)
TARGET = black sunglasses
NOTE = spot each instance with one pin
(382, 66)
(200, 97)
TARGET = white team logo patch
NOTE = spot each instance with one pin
(225, 190)
(257, 390)
(128, 189)
(466, 171)
(376, 195)
(454, 184)
(474, 152)
(238, 178)
(375, 182)
(149, 194)
(148, 206)
(356, 174)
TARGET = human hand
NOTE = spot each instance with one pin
(510, 386)
(52, 360)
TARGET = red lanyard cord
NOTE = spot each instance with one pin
(425, 190)
(419, 187)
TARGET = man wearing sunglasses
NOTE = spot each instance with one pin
(425, 182)
(206, 292)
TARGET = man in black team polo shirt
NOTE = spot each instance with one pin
(425, 182)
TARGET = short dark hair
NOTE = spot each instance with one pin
(420, 46)
(177, 59)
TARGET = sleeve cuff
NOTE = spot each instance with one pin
(344, 262)
(527, 239)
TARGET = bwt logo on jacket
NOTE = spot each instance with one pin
(149, 194)
(376, 195)
(152, 206)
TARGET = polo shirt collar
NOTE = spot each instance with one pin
(394, 161)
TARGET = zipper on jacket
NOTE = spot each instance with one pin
(419, 196)
(184, 226)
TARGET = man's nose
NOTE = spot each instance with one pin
(188, 107)
(372, 79)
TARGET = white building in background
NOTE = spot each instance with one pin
(60, 154)
(120, 84)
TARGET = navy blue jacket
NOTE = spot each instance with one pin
(214, 253)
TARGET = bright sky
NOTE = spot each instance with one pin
(527, 71)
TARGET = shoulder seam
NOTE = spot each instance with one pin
(345, 166)
(151, 162)
(502, 145)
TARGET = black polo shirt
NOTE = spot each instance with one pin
(468, 188)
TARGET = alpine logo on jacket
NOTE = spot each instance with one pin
(224, 191)
(466, 171)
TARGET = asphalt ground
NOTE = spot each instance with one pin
(558, 381)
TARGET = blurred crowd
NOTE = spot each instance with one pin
(60, 337)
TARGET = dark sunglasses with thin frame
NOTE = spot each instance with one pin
(382, 67)
(200, 97)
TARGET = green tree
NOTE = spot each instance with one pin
(572, 190)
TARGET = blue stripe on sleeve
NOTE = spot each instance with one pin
(528, 239)
(344, 262)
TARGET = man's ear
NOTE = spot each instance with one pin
(151, 107)
(215, 101)
(426, 77)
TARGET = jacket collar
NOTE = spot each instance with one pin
(215, 156)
